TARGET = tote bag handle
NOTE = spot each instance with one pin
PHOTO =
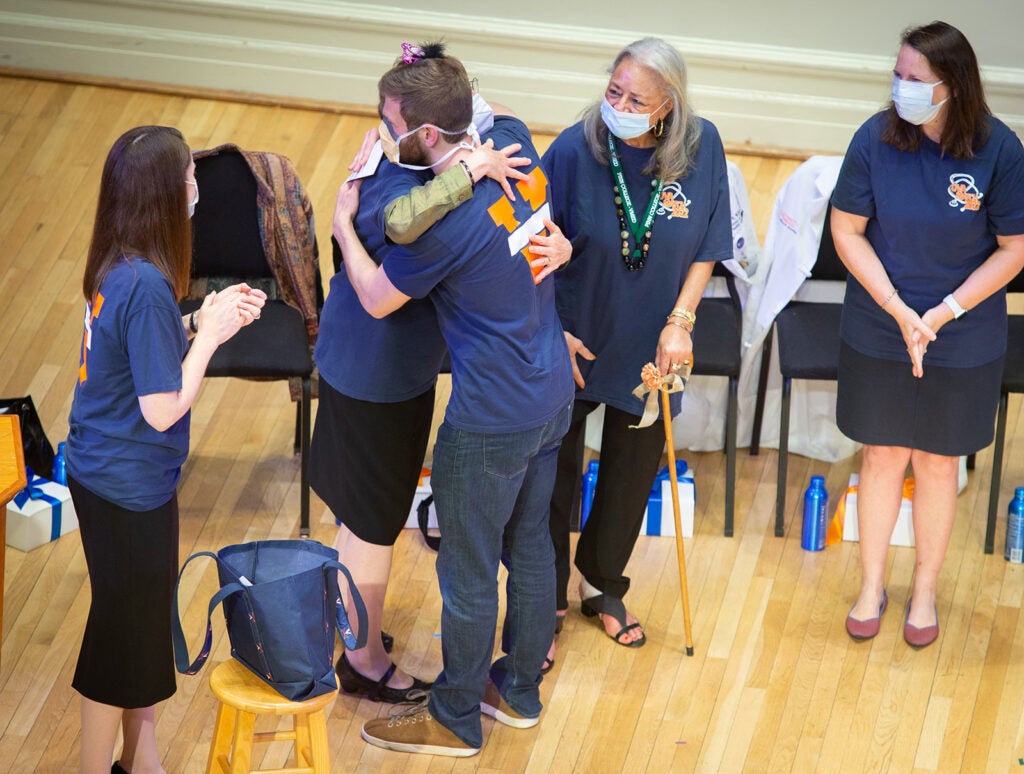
(181, 662)
(344, 627)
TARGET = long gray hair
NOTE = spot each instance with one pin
(680, 139)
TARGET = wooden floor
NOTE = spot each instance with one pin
(775, 683)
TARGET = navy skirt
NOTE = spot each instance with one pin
(948, 411)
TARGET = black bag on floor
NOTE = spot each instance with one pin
(37, 447)
(282, 606)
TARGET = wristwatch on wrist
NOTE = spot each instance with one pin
(954, 306)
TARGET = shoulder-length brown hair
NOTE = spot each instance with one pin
(143, 208)
(952, 59)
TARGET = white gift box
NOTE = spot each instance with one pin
(659, 518)
(45, 516)
(903, 532)
(422, 493)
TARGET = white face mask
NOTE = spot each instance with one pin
(913, 100)
(626, 126)
(392, 150)
(192, 204)
(483, 115)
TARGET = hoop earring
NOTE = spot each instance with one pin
(659, 127)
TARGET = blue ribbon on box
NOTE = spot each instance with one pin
(654, 501)
(34, 491)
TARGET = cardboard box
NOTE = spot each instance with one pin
(903, 532)
(658, 516)
(41, 512)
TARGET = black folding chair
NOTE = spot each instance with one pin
(808, 338)
(227, 248)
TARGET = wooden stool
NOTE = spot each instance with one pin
(242, 697)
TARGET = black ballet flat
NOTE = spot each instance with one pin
(377, 690)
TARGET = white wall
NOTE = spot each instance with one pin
(789, 74)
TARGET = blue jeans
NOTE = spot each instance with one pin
(492, 493)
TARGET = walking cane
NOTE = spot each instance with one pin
(651, 380)
(666, 414)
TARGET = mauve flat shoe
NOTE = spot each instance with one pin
(923, 637)
(866, 629)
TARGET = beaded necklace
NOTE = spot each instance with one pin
(641, 231)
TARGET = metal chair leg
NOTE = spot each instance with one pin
(997, 472)
(762, 391)
(730, 455)
(780, 486)
(305, 412)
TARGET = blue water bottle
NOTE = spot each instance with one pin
(1015, 528)
(587, 495)
(812, 536)
(60, 473)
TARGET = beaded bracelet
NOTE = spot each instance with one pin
(888, 298)
(469, 173)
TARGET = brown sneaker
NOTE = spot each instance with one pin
(413, 729)
(494, 706)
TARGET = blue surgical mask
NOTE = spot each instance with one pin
(913, 100)
(192, 204)
(626, 126)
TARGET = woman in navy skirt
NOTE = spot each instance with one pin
(129, 434)
(928, 216)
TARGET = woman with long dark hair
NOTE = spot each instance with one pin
(129, 433)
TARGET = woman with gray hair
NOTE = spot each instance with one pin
(639, 187)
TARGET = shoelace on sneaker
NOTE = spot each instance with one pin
(410, 712)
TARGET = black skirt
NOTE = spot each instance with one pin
(127, 659)
(948, 411)
(365, 460)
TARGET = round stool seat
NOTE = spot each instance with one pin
(233, 684)
(243, 696)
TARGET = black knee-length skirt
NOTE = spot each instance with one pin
(948, 411)
(127, 659)
(365, 459)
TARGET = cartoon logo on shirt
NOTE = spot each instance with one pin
(674, 202)
(964, 192)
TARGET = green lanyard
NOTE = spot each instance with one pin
(638, 229)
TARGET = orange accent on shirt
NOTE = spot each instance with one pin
(502, 214)
(534, 188)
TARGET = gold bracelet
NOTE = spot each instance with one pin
(685, 314)
(678, 325)
(888, 298)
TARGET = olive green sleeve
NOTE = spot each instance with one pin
(408, 217)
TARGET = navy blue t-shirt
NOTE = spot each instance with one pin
(387, 360)
(616, 313)
(132, 345)
(510, 365)
(932, 220)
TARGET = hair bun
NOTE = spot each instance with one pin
(433, 50)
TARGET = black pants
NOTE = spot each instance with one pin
(629, 463)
